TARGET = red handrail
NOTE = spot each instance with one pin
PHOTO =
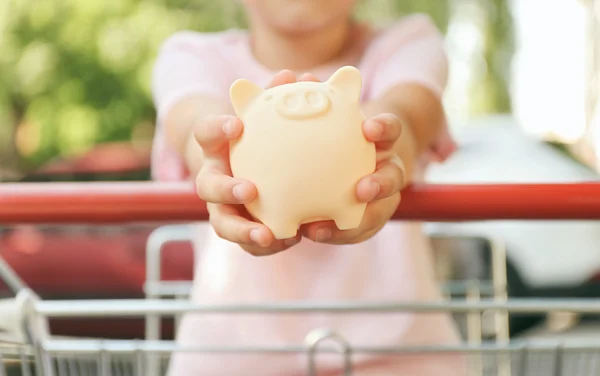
(149, 201)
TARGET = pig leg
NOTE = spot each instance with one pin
(350, 218)
(277, 215)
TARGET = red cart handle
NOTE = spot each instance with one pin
(177, 202)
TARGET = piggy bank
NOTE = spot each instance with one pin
(304, 148)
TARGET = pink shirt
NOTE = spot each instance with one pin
(392, 266)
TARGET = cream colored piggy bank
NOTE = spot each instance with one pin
(304, 148)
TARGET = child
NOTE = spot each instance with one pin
(404, 75)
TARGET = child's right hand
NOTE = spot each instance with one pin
(225, 195)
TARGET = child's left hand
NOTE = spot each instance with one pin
(381, 190)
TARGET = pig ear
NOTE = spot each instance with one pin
(349, 81)
(242, 92)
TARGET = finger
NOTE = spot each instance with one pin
(214, 133)
(386, 181)
(212, 185)
(283, 77)
(309, 77)
(444, 146)
(376, 215)
(327, 232)
(384, 130)
(275, 247)
(320, 231)
(230, 224)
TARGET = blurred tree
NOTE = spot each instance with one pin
(439, 10)
(489, 91)
(491, 94)
(76, 73)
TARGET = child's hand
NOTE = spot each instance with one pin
(381, 189)
(442, 147)
(225, 195)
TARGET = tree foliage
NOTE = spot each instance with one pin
(77, 73)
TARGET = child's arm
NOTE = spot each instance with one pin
(421, 114)
(195, 124)
(417, 112)
(199, 129)
(180, 123)
(407, 90)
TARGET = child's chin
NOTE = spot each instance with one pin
(297, 25)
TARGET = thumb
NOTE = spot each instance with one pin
(214, 133)
(283, 77)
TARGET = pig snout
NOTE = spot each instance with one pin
(302, 104)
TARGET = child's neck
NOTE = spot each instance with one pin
(301, 52)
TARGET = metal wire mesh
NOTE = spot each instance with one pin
(38, 353)
(126, 358)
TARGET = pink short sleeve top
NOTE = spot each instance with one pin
(394, 265)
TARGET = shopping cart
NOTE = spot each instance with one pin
(27, 347)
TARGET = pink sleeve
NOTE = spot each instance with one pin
(413, 52)
(187, 64)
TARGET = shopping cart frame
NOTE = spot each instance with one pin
(472, 289)
(28, 315)
(47, 350)
(102, 203)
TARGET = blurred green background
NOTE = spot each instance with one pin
(76, 73)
